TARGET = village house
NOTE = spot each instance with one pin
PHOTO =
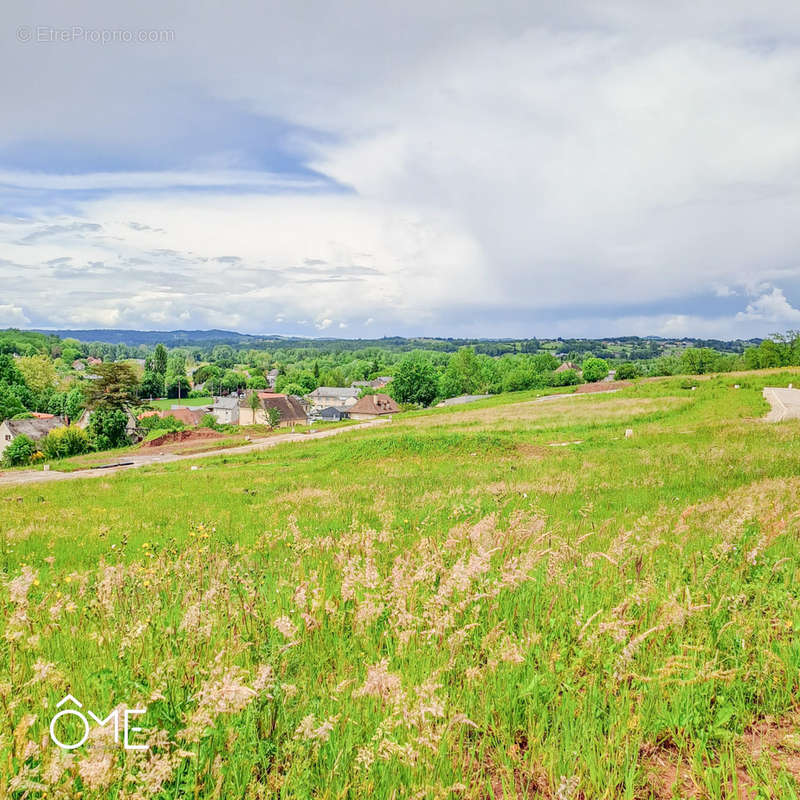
(373, 405)
(78, 365)
(569, 365)
(188, 415)
(35, 429)
(226, 410)
(289, 407)
(332, 414)
(337, 396)
(272, 376)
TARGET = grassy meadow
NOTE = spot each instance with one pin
(508, 599)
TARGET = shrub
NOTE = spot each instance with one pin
(595, 369)
(107, 428)
(209, 421)
(156, 423)
(20, 451)
(65, 442)
(566, 378)
(627, 371)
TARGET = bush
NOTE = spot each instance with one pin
(627, 371)
(209, 421)
(107, 428)
(19, 452)
(566, 378)
(65, 442)
(156, 423)
(594, 369)
(197, 393)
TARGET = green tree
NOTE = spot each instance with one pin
(74, 404)
(108, 427)
(177, 386)
(627, 371)
(160, 360)
(152, 384)
(254, 403)
(8, 371)
(10, 404)
(594, 369)
(38, 372)
(115, 388)
(257, 382)
(544, 362)
(462, 374)
(414, 381)
(273, 417)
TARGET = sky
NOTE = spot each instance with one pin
(362, 169)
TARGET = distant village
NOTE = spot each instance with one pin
(323, 404)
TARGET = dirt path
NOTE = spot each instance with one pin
(785, 404)
(16, 478)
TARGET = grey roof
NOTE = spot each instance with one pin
(35, 428)
(226, 402)
(334, 391)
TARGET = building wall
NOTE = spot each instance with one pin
(318, 403)
(356, 415)
(4, 442)
(226, 416)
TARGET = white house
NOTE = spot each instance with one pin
(338, 396)
(36, 429)
(226, 410)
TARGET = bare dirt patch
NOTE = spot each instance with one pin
(772, 745)
(181, 437)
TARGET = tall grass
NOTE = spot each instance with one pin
(444, 607)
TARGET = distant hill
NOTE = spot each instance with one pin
(168, 338)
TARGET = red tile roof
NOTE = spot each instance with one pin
(375, 404)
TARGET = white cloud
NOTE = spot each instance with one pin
(12, 316)
(771, 307)
(528, 157)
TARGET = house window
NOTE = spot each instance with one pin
(8, 437)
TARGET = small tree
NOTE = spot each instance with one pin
(152, 384)
(74, 404)
(273, 417)
(627, 371)
(19, 452)
(415, 381)
(160, 360)
(594, 369)
(115, 388)
(254, 403)
(108, 428)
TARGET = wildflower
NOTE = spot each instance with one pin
(285, 626)
(380, 682)
(18, 588)
(309, 731)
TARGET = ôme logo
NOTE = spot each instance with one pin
(113, 717)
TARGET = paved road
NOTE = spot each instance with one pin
(785, 404)
(17, 477)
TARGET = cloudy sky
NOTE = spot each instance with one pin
(375, 168)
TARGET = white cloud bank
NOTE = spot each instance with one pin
(513, 169)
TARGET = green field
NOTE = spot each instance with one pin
(508, 599)
(166, 403)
